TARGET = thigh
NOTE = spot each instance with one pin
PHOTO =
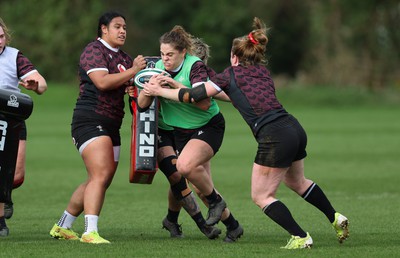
(265, 182)
(84, 129)
(195, 153)
(212, 134)
(98, 157)
(295, 179)
(20, 165)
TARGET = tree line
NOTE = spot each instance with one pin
(335, 42)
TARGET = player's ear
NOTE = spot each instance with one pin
(184, 51)
(104, 29)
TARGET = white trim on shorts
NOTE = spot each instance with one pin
(116, 149)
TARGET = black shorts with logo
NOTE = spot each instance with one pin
(87, 126)
(281, 142)
(165, 138)
(212, 133)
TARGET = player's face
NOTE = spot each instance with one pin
(3, 39)
(171, 57)
(115, 33)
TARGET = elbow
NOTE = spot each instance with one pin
(41, 89)
(102, 86)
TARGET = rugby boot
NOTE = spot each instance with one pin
(4, 231)
(8, 210)
(93, 238)
(210, 231)
(58, 232)
(341, 226)
(296, 242)
(215, 210)
(233, 235)
(174, 229)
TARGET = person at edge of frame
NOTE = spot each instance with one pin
(16, 70)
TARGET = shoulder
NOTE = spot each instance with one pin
(10, 52)
(223, 78)
(125, 55)
(94, 46)
(192, 59)
(93, 52)
(12, 49)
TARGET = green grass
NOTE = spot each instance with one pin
(353, 155)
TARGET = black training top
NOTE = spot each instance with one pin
(252, 92)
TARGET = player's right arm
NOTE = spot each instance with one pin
(143, 101)
(106, 81)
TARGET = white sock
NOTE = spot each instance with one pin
(91, 223)
(66, 220)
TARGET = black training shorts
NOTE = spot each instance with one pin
(165, 138)
(212, 133)
(84, 128)
(281, 142)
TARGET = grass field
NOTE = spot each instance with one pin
(354, 142)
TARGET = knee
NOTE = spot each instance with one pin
(103, 180)
(174, 178)
(168, 166)
(183, 168)
(180, 189)
(298, 186)
(256, 199)
(261, 200)
(18, 182)
(19, 175)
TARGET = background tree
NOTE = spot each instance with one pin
(334, 42)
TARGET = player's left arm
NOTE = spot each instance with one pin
(35, 82)
(30, 78)
(187, 95)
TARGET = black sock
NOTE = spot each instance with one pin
(231, 223)
(172, 216)
(213, 197)
(2, 222)
(316, 197)
(279, 213)
(199, 219)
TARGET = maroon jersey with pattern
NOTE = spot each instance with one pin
(24, 66)
(110, 103)
(252, 92)
(198, 73)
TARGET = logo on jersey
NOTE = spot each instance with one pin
(121, 68)
(13, 102)
(200, 132)
(181, 79)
